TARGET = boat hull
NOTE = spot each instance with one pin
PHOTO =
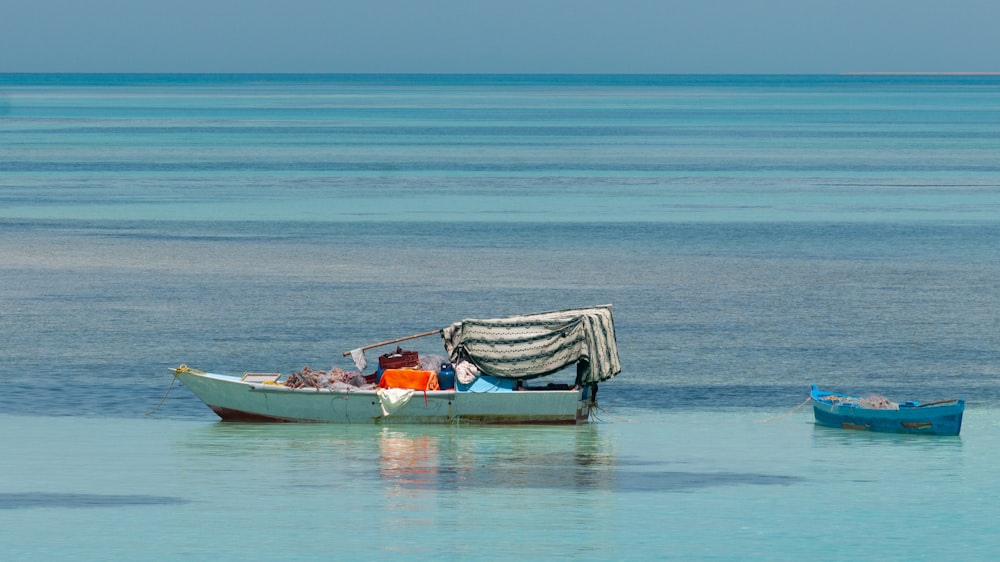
(235, 400)
(932, 419)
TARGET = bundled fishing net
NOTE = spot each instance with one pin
(877, 402)
(334, 378)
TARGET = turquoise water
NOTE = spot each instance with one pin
(756, 234)
(669, 485)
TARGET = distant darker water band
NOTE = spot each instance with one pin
(42, 499)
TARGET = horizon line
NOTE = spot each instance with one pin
(924, 73)
(377, 73)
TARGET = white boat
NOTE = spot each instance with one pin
(497, 363)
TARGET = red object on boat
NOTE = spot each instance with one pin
(399, 359)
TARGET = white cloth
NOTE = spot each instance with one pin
(392, 399)
(359, 359)
(466, 372)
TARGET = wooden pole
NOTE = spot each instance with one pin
(397, 340)
(936, 402)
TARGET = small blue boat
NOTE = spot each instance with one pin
(940, 417)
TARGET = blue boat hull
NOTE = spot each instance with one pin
(838, 410)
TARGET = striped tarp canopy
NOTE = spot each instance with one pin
(535, 345)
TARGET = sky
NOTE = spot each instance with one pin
(500, 36)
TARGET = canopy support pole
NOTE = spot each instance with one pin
(397, 340)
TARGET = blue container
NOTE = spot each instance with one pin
(486, 383)
(446, 377)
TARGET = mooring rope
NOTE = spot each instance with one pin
(596, 407)
(793, 410)
(177, 371)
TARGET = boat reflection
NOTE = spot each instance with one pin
(859, 439)
(462, 458)
(409, 460)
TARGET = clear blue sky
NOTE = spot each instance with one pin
(500, 36)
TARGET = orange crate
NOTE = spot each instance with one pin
(409, 378)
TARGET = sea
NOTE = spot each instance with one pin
(756, 235)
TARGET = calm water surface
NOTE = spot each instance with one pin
(755, 234)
